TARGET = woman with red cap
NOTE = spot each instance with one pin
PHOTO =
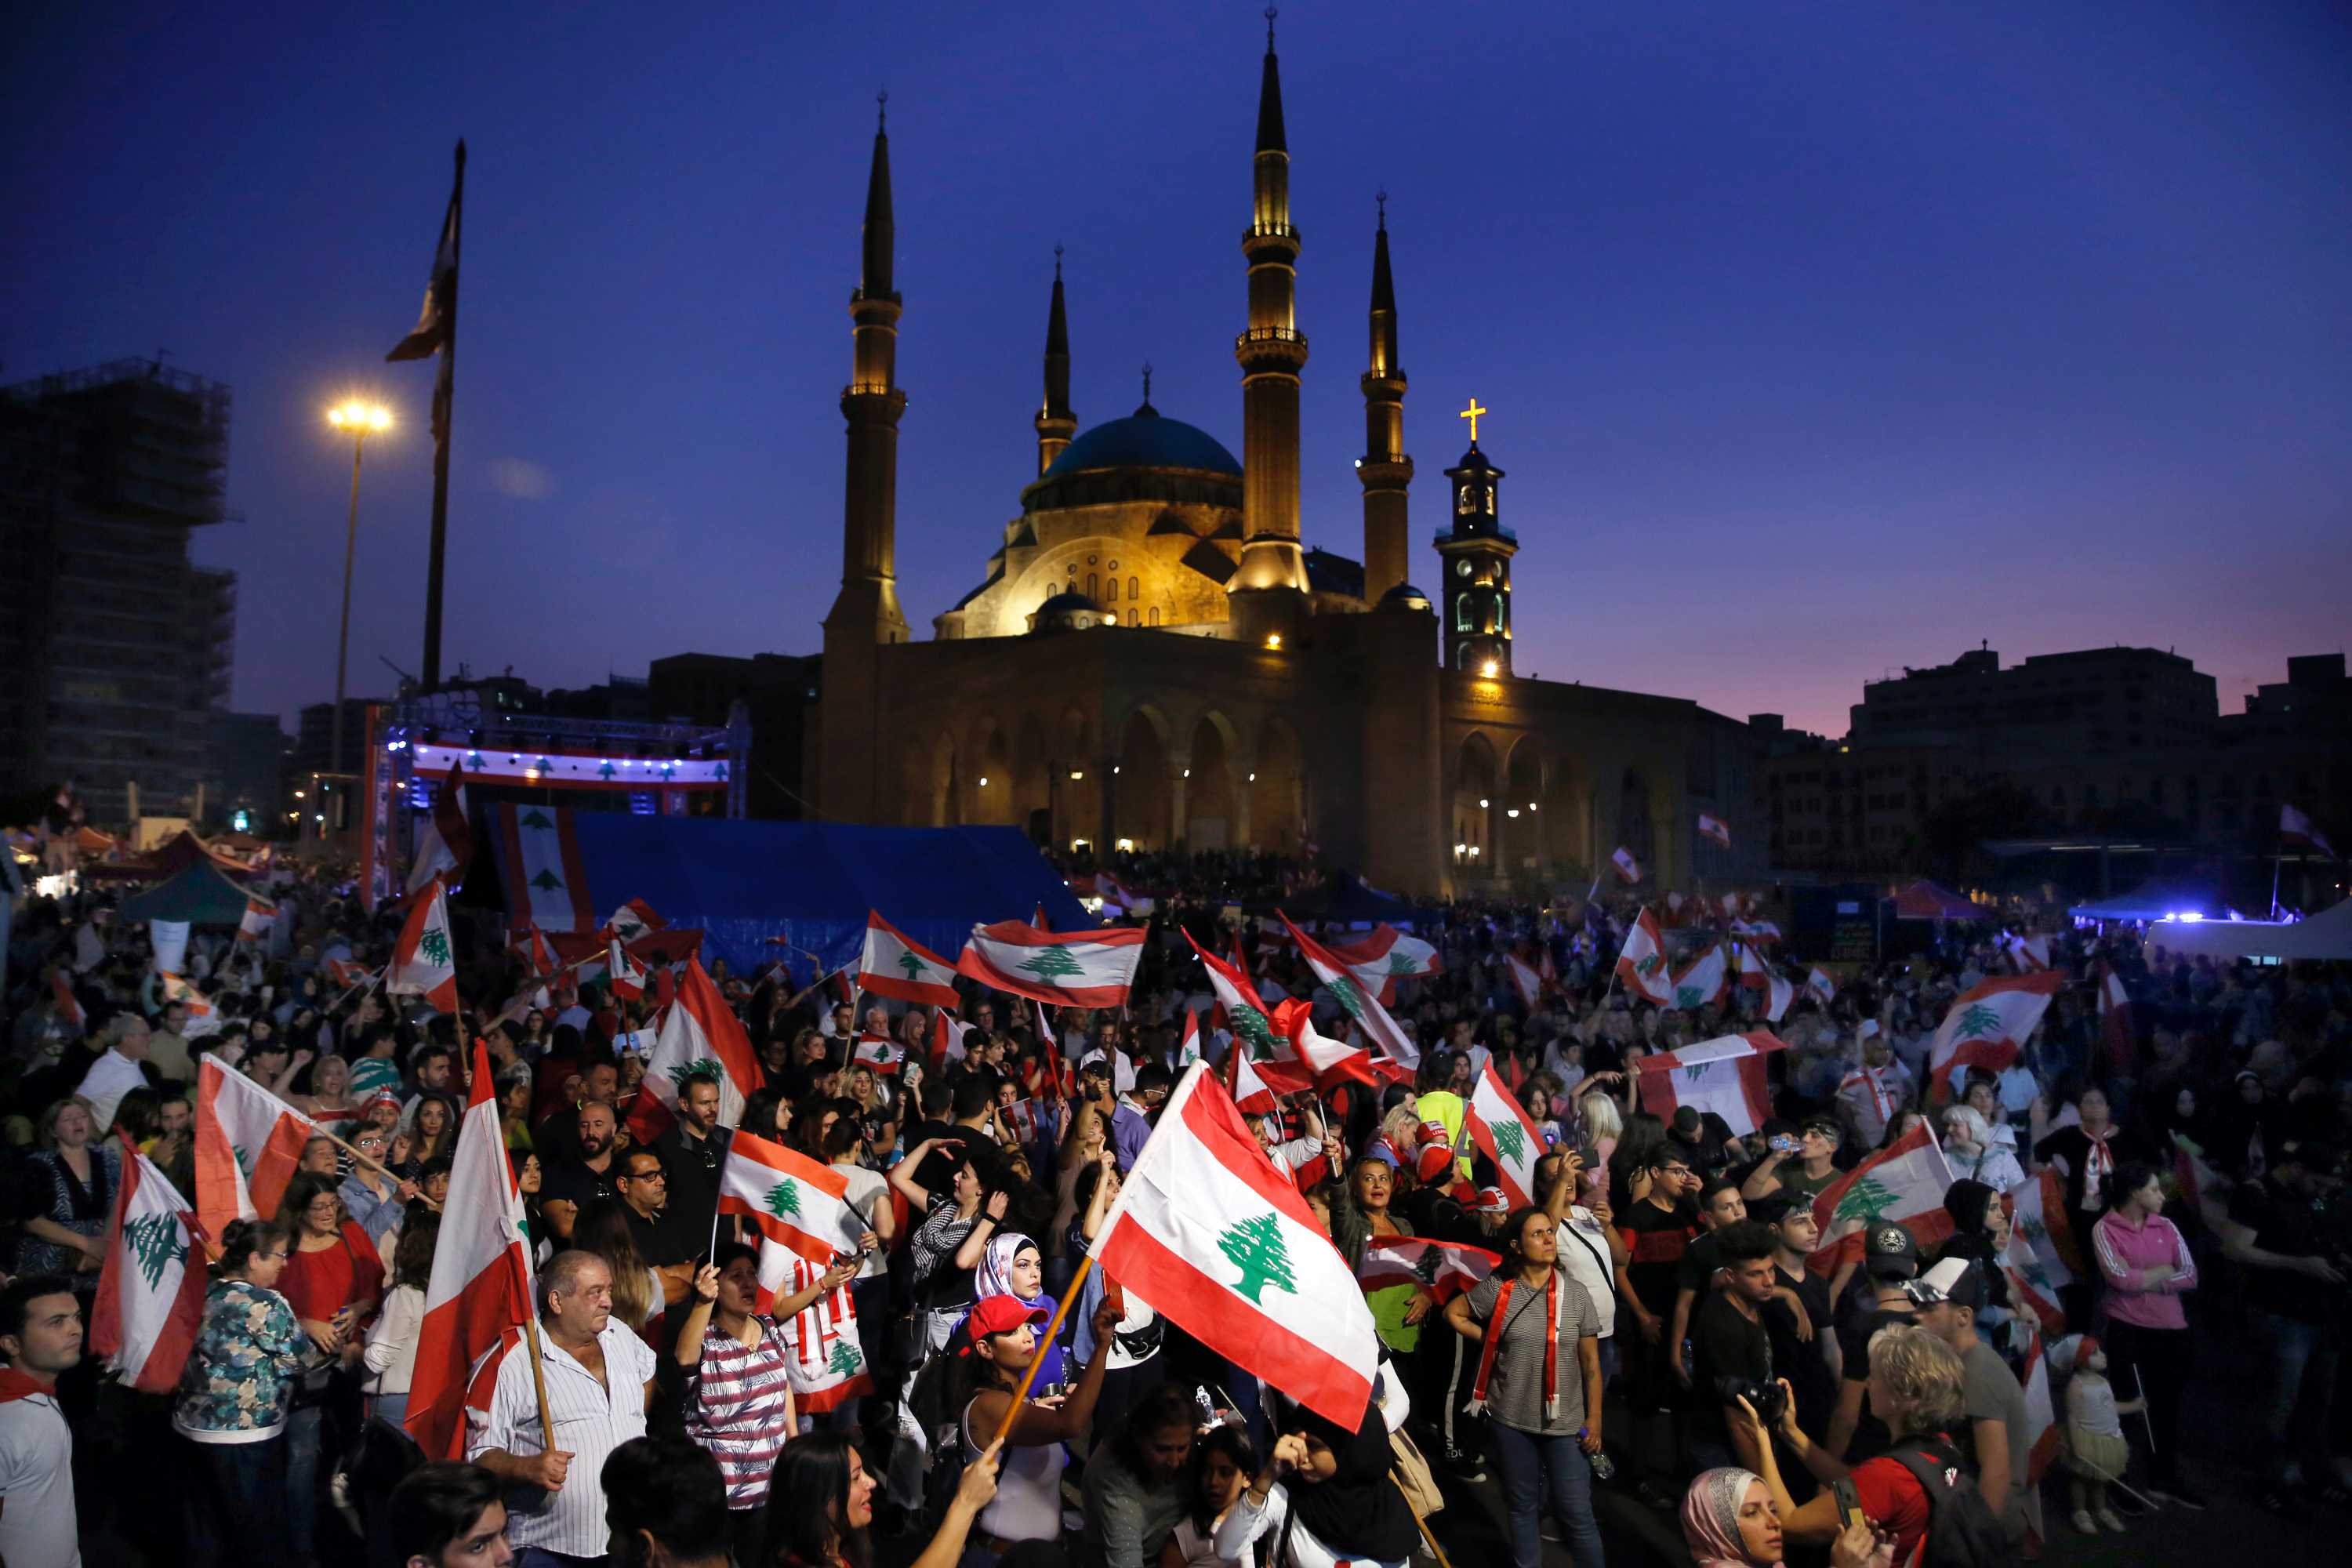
(1000, 1342)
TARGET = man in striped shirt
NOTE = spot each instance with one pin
(600, 1379)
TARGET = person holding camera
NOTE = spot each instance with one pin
(1732, 1348)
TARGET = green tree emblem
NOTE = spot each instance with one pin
(154, 1241)
(1400, 964)
(1349, 996)
(784, 1199)
(607, 771)
(1256, 1247)
(1253, 1027)
(846, 1358)
(1866, 1201)
(547, 882)
(1688, 995)
(535, 818)
(1650, 965)
(1978, 1023)
(433, 946)
(914, 966)
(1511, 1141)
(1424, 1268)
(1051, 963)
(705, 1069)
(244, 1160)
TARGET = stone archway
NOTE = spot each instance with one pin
(944, 799)
(1476, 783)
(1275, 786)
(1212, 806)
(1521, 827)
(990, 795)
(1143, 798)
(1568, 818)
(1033, 789)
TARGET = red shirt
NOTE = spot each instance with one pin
(320, 1284)
(1893, 1500)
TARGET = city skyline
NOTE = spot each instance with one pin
(1798, 380)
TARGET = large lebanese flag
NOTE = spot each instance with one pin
(1245, 1013)
(896, 965)
(1642, 961)
(148, 1301)
(1498, 1125)
(699, 1035)
(1068, 969)
(1725, 1075)
(1385, 957)
(801, 1205)
(1703, 981)
(249, 1143)
(1224, 1245)
(1988, 1024)
(541, 866)
(480, 1290)
(1350, 993)
(1904, 1182)
(424, 960)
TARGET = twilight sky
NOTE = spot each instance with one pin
(1819, 338)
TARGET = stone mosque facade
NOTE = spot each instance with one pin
(1154, 657)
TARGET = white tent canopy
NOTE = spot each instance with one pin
(2327, 934)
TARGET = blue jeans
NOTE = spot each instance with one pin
(238, 1503)
(303, 1429)
(2304, 1359)
(1533, 1466)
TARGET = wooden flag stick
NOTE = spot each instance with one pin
(1053, 1331)
(319, 1131)
(538, 1383)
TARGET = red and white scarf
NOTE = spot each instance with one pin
(2098, 1165)
(1496, 1320)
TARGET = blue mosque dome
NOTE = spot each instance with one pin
(1145, 439)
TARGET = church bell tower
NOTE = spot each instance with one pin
(1475, 557)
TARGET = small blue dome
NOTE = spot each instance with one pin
(1406, 596)
(1145, 439)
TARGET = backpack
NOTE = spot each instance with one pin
(1961, 1530)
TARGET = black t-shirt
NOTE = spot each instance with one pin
(1657, 1238)
(1706, 1152)
(2284, 1224)
(1799, 1362)
(663, 1241)
(2073, 1145)
(1695, 1272)
(1725, 1343)
(937, 1171)
(1871, 1435)
(569, 1181)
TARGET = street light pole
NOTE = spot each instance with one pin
(360, 419)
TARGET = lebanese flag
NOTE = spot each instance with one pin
(1078, 969)
(621, 971)
(2044, 1438)
(801, 1205)
(1703, 981)
(479, 1295)
(2117, 1031)
(1725, 1075)
(2029, 954)
(823, 1360)
(2033, 1283)
(447, 845)
(1711, 828)
(1642, 961)
(2038, 1215)
(1988, 1025)
(68, 1005)
(1821, 987)
(1187, 1045)
(700, 1035)
(1627, 867)
(947, 1038)
(1246, 1014)
(148, 1301)
(1348, 990)
(1905, 1182)
(541, 867)
(1253, 1085)
(633, 919)
(1385, 957)
(1497, 1124)
(345, 972)
(248, 1143)
(2296, 828)
(255, 923)
(1525, 980)
(896, 965)
(1329, 1061)
(1224, 1247)
(424, 960)
(1758, 976)
(1445, 1268)
(880, 1052)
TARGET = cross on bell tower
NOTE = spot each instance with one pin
(1476, 557)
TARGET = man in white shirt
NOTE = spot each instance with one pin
(116, 1073)
(40, 1337)
(600, 1378)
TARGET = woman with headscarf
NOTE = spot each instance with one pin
(1728, 1521)
(1013, 1266)
(1326, 1498)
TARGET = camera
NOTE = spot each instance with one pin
(1768, 1400)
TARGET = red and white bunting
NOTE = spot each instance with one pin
(1074, 968)
(1725, 1075)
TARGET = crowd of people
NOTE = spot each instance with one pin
(1646, 1351)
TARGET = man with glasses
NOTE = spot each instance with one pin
(661, 1241)
(372, 1198)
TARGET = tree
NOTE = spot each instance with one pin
(845, 1358)
(784, 1199)
(433, 946)
(1256, 1247)
(684, 1073)
(1865, 1201)
(1051, 963)
(154, 1241)
(1510, 1141)
(1344, 991)
(913, 965)
(1977, 1021)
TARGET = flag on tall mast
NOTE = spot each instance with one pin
(437, 332)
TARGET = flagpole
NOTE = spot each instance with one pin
(539, 1381)
(1070, 1293)
(444, 398)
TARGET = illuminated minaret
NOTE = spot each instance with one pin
(1385, 470)
(1268, 590)
(1056, 423)
(868, 605)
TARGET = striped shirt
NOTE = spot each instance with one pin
(738, 1407)
(591, 1420)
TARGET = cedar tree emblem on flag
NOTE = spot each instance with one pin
(155, 1240)
(784, 1199)
(1977, 1023)
(845, 1358)
(1510, 1140)
(704, 1069)
(435, 945)
(1051, 963)
(1688, 996)
(1866, 1202)
(1256, 1247)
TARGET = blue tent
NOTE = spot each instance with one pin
(1347, 899)
(806, 885)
